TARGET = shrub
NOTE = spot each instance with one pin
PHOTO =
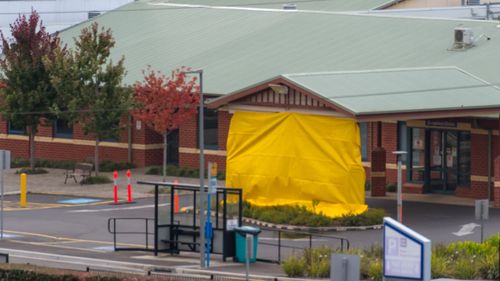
(375, 270)
(96, 180)
(439, 266)
(300, 215)
(35, 171)
(286, 214)
(391, 187)
(318, 262)
(110, 166)
(465, 268)
(155, 170)
(56, 164)
(294, 266)
(493, 241)
(369, 217)
(470, 248)
(488, 267)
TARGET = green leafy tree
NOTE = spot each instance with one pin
(28, 96)
(95, 97)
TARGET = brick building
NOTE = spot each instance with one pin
(446, 115)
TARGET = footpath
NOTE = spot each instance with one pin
(53, 183)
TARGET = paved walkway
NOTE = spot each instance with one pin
(53, 183)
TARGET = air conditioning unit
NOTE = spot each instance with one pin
(464, 37)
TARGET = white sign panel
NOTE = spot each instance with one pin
(403, 256)
(406, 253)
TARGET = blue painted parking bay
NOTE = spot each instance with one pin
(78, 201)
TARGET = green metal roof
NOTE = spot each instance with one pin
(401, 90)
(323, 5)
(240, 47)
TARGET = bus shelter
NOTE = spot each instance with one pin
(177, 231)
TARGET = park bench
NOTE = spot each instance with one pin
(81, 170)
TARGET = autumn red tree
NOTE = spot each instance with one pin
(164, 103)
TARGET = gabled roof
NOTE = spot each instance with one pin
(240, 47)
(392, 91)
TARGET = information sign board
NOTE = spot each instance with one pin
(406, 253)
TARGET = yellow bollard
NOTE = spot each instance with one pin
(22, 200)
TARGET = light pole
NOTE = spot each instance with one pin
(399, 154)
(201, 140)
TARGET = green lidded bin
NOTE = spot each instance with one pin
(241, 250)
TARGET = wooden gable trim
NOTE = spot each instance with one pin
(263, 95)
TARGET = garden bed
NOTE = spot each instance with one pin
(465, 260)
(301, 216)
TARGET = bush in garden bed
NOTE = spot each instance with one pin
(300, 215)
(96, 180)
(460, 260)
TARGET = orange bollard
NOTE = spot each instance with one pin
(176, 202)
(129, 188)
(115, 188)
(176, 198)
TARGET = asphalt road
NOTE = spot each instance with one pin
(63, 225)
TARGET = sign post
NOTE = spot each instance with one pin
(345, 267)
(482, 212)
(4, 165)
(212, 188)
(407, 254)
(400, 154)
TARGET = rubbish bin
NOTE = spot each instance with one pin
(241, 249)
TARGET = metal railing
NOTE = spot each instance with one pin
(292, 240)
(112, 222)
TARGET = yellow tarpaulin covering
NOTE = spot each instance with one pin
(291, 158)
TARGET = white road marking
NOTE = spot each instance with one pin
(466, 229)
(117, 209)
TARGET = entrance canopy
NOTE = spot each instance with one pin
(388, 94)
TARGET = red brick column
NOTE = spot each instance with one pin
(378, 176)
(496, 186)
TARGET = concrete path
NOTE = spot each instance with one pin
(53, 183)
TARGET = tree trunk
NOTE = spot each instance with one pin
(165, 156)
(96, 156)
(32, 146)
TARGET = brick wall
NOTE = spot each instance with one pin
(81, 147)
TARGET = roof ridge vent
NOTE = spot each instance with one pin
(289, 7)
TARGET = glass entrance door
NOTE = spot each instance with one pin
(443, 158)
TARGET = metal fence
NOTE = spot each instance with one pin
(276, 245)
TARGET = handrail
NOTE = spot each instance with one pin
(344, 242)
(146, 232)
(191, 187)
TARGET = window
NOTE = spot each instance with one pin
(15, 129)
(363, 130)
(210, 129)
(402, 139)
(62, 129)
(417, 155)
